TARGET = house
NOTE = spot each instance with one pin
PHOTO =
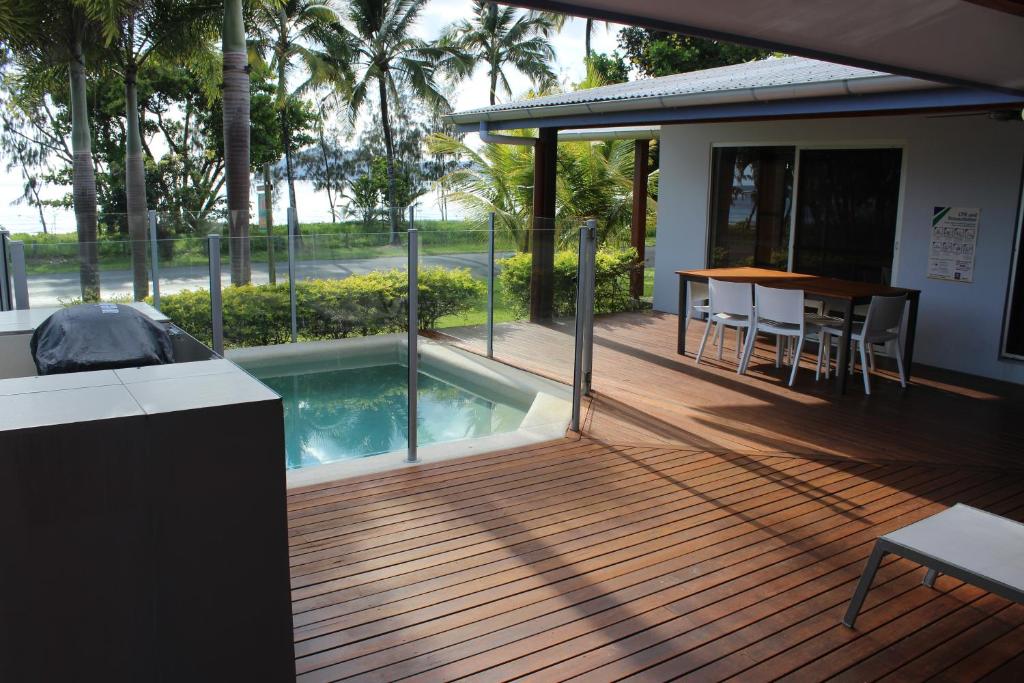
(804, 165)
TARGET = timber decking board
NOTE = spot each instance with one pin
(721, 564)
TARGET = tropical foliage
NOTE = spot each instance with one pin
(659, 53)
(496, 36)
(611, 281)
(595, 180)
(359, 305)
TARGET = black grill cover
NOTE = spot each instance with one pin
(99, 337)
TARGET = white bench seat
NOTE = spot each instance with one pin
(972, 545)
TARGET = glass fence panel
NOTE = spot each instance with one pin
(454, 274)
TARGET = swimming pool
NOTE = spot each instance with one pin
(345, 403)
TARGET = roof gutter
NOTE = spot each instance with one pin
(604, 134)
(487, 136)
(844, 87)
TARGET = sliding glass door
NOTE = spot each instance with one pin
(751, 199)
(1013, 334)
(847, 207)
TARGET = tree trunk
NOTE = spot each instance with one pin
(586, 39)
(236, 139)
(389, 148)
(135, 185)
(494, 83)
(328, 177)
(268, 202)
(83, 179)
(282, 104)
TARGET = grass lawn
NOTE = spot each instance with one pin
(477, 315)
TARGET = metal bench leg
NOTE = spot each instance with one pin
(929, 578)
(864, 585)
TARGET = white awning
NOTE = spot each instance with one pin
(963, 42)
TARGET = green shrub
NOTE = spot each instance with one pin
(611, 281)
(359, 305)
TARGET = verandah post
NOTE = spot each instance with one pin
(542, 280)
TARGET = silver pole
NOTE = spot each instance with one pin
(581, 318)
(490, 286)
(292, 229)
(155, 259)
(588, 328)
(5, 277)
(18, 271)
(216, 302)
(414, 323)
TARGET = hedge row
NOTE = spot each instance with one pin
(611, 281)
(359, 305)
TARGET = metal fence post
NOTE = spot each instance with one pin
(414, 323)
(5, 277)
(293, 224)
(490, 285)
(216, 302)
(588, 327)
(19, 275)
(581, 321)
(154, 258)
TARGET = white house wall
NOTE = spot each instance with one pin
(969, 161)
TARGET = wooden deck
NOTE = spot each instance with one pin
(707, 527)
(646, 393)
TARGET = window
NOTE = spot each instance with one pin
(751, 199)
(847, 205)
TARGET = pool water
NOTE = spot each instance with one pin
(333, 415)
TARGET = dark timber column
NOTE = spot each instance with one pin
(542, 292)
(638, 227)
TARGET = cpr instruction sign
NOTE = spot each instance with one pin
(954, 238)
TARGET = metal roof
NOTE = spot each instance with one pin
(766, 73)
(786, 86)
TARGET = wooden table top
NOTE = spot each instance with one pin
(812, 284)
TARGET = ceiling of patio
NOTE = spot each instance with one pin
(964, 42)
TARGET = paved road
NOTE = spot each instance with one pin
(51, 289)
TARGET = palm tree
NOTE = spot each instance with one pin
(298, 29)
(138, 29)
(595, 180)
(378, 34)
(493, 178)
(236, 138)
(56, 34)
(558, 20)
(497, 35)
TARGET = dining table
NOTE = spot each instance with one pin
(839, 295)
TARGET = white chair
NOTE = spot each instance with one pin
(729, 305)
(880, 326)
(697, 301)
(779, 312)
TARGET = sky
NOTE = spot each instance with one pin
(569, 50)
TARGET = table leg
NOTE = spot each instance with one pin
(908, 343)
(683, 303)
(843, 359)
